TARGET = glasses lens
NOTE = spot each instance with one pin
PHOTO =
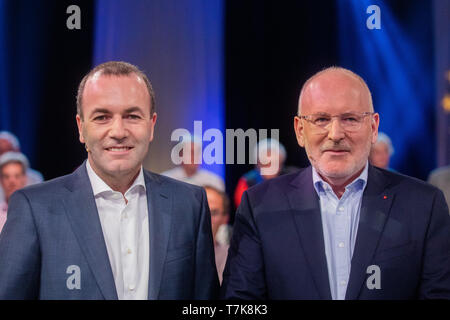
(351, 121)
(321, 120)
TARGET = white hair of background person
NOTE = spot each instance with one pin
(13, 156)
(6, 135)
(260, 149)
(383, 137)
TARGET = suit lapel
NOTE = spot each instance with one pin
(82, 213)
(374, 213)
(305, 207)
(159, 217)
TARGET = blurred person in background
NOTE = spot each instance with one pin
(265, 152)
(189, 171)
(381, 152)
(13, 168)
(440, 178)
(9, 142)
(219, 206)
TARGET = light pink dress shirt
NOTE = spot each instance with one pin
(3, 209)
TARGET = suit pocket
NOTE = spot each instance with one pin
(179, 252)
(395, 252)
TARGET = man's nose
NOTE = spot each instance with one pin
(335, 131)
(118, 130)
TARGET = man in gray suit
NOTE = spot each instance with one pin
(110, 230)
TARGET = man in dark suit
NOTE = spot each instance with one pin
(110, 230)
(340, 229)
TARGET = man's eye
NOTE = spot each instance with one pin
(321, 120)
(100, 118)
(133, 116)
(350, 119)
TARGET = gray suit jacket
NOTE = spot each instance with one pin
(55, 225)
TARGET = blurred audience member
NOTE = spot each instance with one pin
(13, 167)
(219, 205)
(440, 178)
(189, 171)
(9, 142)
(268, 153)
(381, 151)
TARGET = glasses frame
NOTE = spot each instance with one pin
(325, 129)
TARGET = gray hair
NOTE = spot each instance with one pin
(384, 138)
(263, 145)
(14, 157)
(6, 135)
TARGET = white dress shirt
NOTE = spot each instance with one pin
(125, 230)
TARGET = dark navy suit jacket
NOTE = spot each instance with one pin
(54, 225)
(277, 249)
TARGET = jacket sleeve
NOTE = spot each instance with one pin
(206, 279)
(435, 281)
(19, 252)
(244, 276)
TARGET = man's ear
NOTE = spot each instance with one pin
(375, 123)
(298, 128)
(80, 128)
(153, 122)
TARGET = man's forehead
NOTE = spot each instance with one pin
(11, 166)
(99, 76)
(212, 194)
(109, 85)
(334, 88)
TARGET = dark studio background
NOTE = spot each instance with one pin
(269, 49)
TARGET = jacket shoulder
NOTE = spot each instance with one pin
(173, 184)
(400, 181)
(49, 187)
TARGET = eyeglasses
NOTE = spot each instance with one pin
(351, 121)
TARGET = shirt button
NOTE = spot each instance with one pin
(341, 244)
(131, 288)
(341, 209)
(343, 282)
(129, 251)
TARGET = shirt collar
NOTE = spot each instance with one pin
(358, 184)
(99, 186)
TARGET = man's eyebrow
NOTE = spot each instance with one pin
(133, 109)
(322, 114)
(99, 110)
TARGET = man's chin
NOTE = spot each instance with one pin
(120, 169)
(336, 172)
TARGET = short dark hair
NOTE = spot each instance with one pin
(224, 196)
(115, 68)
